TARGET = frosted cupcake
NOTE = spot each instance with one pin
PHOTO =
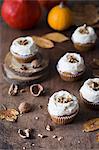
(71, 66)
(23, 49)
(90, 92)
(63, 107)
(84, 38)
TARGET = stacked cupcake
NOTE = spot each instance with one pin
(25, 63)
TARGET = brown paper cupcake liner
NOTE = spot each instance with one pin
(64, 119)
(89, 104)
(71, 77)
(84, 47)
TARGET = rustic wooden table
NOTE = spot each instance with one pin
(74, 138)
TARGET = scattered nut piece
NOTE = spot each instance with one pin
(24, 107)
(22, 90)
(48, 128)
(60, 138)
(54, 136)
(32, 144)
(79, 142)
(24, 133)
(41, 136)
(36, 118)
(13, 90)
(36, 89)
(24, 147)
(9, 114)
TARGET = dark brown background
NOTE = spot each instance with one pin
(74, 138)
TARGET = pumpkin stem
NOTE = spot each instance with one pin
(61, 5)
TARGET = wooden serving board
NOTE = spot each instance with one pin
(13, 72)
(13, 65)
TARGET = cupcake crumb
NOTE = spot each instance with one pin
(41, 135)
(36, 118)
(48, 128)
(60, 138)
(54, 136)
(79, 142)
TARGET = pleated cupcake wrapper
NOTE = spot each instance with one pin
(83, 47)
(90, 104)
(64, 119)
(71, 77)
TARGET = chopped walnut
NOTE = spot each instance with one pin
(64, 100)
(72, 59)
(23, 42)
(84, 30)
(94, 85)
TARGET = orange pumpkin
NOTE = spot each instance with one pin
(60, 17)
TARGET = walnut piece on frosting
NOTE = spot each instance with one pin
(94, 85)
(72, 59)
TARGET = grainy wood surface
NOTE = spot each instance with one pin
(74, 138)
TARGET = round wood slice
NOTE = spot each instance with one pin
(22, 80)
(14, 66)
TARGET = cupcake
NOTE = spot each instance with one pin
(63, 107)
(23, 49)
(84, 38)
(71, 67)
(90, 93)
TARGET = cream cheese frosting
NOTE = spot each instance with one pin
(24, 46)
(65, 65)
(88, 36)
(62, 103)
(89, 92)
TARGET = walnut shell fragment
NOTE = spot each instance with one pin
(13, 90)
(9, 114)
(43, 43)
(24, 133)
(36, 89)
(56, 37)
(24, 107)
(91, 125)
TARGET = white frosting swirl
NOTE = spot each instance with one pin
(84, 38)
(88, 93)
(74, 68)
(24, 50)
(57, 108)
